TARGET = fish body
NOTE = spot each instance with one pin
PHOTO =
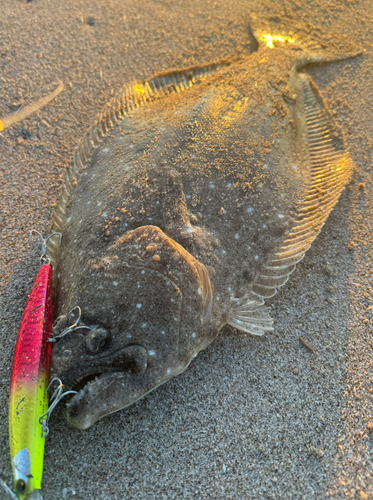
(188, 203)
(28, 393)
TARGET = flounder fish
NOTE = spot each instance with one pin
(189, 203)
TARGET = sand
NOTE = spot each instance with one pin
(251, 417)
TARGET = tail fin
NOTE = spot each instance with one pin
(312, 44)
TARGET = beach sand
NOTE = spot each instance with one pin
(251, 417)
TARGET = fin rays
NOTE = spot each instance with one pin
(330, 169)
(131, 97)
(250, 315)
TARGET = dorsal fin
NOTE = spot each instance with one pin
(130, 98)
(330, 169)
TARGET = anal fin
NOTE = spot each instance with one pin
(330, 168)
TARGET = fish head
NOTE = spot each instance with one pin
(146, 307)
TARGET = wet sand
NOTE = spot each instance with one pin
(251, 417)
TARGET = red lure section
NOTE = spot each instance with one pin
(33, 349)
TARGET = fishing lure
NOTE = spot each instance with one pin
(29, 384)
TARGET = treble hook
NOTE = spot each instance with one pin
(54, 400)
(44, 243)
(71, 328)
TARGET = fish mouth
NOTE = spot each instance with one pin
(132, 359)
(110, 392)
(95, 383)
(94, 388)
(97, 374)
(92, 383)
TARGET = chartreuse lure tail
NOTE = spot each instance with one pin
(28, 393)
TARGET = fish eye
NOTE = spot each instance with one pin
(96, 340)
(66, 353)
(21, 485)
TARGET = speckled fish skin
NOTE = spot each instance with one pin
(184, 215)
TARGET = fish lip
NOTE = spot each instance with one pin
(74, 404)
(77, 413)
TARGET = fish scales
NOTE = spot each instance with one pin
(188, 203)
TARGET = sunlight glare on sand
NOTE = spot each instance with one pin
(268, 39)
